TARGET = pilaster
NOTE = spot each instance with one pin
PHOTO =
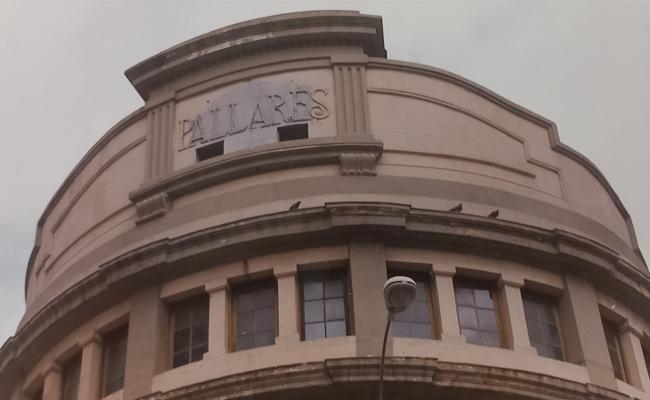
(53, 382)
(583, 331)
(147, 344)
(445, 306)
(633, 359)
(160, 133)
(218, 324)
(368, 275)
(512, 314)
(91, 366)
(288, 318)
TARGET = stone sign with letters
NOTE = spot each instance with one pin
(250, 115)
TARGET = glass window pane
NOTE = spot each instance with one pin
(265, 319)
(312, 290)
(467, 318)
(490, 339)
(181, 359)
(530, 309)
(334, 287)
(200, 310)
(245, 341)
(197, 353)
(419, 312)
(181, 317)
(245, 323)
(421, 292)
(182, 340)
(313, 311)
(245, 301)
(487, 320)
(464, 296)
(551, 335)
(314, 331)
(335, 328)
(200, 334)
(114, 358)
(483, 298)
(401, 329)
(334, 309)
(471, 336)
(264, 338)
(534, 331)
(422, 331)
(265, 297)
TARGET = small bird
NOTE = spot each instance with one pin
(494, 214)
(457, 209)
(294, 206)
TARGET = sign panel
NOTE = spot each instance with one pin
(250, 115)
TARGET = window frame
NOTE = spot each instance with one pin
(246, 286)
(344, 274)
(492, 287)
(173, 308)
(612, 327)
(72, 365)
(429, 287)
(535, 295)
(120, 333)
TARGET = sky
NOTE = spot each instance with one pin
(583, 65)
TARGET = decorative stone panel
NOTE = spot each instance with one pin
(152, 207)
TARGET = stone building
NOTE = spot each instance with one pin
(230, 239)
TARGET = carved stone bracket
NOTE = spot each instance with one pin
(152, 207)
(358, 163)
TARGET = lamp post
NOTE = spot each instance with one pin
(399, 291)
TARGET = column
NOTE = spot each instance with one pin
(445, 306)
(583, 331)
(512, 314)
(53, 382)
(368, 275)
(91, 366)
(147, 344)
(218, 326)
(632, 354)
(288, 329)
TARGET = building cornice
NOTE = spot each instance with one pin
(349, 28)
(398, 224)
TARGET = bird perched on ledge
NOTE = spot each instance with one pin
(494, 214)
(457, 209)
(294, 206)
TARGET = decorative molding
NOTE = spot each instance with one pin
(239, 164)
(398, 224)
(358, 163)
(414, 378)
(160, 132)
(152, 207)
(351, 94)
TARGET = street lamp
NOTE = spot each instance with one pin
(399, 291)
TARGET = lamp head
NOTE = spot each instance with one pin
(399, 291)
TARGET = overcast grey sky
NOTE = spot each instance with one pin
(584, 65)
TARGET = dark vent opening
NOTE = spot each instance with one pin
(293, 132)
(209, 151)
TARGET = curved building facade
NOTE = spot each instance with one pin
(231, 238)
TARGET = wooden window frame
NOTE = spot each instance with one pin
(612, 327)
(344, 273)
(115, 333)
(232, 307)
(492, 287)
(426, 277)
(187, 302)
(556, 315)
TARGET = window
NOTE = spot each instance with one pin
(71, 374)
(541, 319)
(293, 132)
(614, 347)
(114, 361)
(477, 315)
(190, 329)
(254, 306)
(38, 395)
(324, 304)
(209, 151)
(415, 321)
